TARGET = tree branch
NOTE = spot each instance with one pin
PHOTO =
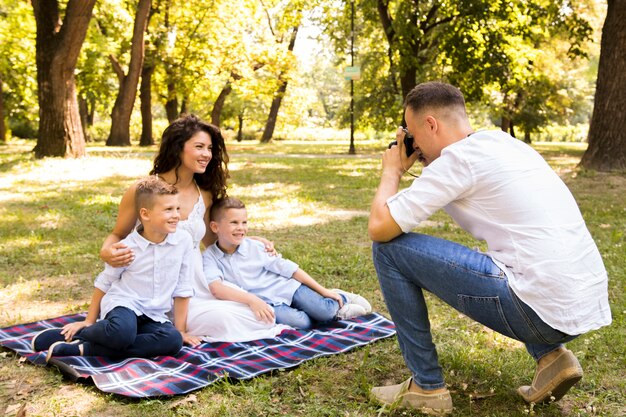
(117, 68)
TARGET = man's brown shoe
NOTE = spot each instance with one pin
(434, 404)
(556, 373)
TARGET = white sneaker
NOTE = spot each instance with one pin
(355, 299)
(349, 311)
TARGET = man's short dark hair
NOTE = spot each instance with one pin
(221, 205)
(434, 94)
(149, 187)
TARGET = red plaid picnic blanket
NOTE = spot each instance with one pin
(194, 368)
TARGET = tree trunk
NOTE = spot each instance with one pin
(218, 106)
(3, 128)
(408, 80)
(505, 124)
(270, 125)
(527, 138)
(171, 105)
(123, 107)
(83, 110)
(240, 127)
(57, 47)
(607, 129)
(145, 97)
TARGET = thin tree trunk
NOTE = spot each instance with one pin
(505, 124)
(123, 107)
(3, 129)
(218, 106)
(607, 129)
(171, 105)
(145, 97)
(57, 47)
(83, 110)
(270, 125)
(240, 127)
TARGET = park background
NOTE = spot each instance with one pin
(81, 116)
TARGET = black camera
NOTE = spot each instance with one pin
(408, 142)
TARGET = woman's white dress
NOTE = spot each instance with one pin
(218, 320)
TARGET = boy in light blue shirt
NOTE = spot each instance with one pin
(276, 287)
(133, 301)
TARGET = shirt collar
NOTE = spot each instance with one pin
(241, 250)
(143, 243)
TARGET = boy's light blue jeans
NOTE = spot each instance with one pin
(467, 280)
(307, 307)
(123, 334)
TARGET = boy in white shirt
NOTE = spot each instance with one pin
(133, 301)
(276, 287)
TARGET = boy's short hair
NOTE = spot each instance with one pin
(148, 188)
(219, 206)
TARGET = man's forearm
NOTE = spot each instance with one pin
(382, 227)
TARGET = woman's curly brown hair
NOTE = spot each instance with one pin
(213, 179)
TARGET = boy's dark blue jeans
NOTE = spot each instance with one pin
(123, 334)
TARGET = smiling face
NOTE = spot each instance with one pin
(231, 227)
(161, 218)
(196, 153)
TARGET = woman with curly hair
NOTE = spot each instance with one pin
(193, 158)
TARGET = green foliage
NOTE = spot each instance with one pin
(526, 60)
(109, 34)
(312, 200)
(17, 66)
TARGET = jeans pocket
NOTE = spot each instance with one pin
(487, 311)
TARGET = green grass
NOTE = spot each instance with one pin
(312, 200)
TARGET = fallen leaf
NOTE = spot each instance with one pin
(187, 400)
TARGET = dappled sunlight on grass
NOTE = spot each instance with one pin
(51, 220)
(262, 191)
(43, 298)
(289, 212)
(237, 166)
(71, 172)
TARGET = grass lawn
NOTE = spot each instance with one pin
(312, 200)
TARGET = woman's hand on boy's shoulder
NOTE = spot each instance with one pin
(117, 255)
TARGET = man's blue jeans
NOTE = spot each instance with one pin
(307, 307)
(467, 280)
(123, 334)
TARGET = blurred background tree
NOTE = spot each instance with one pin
(264, 69)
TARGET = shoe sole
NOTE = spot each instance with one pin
(50, 354)
(402, 400)
(556, 392)
(356, 299)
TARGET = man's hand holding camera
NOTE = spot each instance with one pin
(401, 154)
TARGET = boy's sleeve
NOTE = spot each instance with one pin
(211, 268)
(277, 264)
(106, 278)
(184, 287)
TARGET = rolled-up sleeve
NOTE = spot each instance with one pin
(211, 268)
(281, 266)
(442, 182)
(184, 288)
(106, 278)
